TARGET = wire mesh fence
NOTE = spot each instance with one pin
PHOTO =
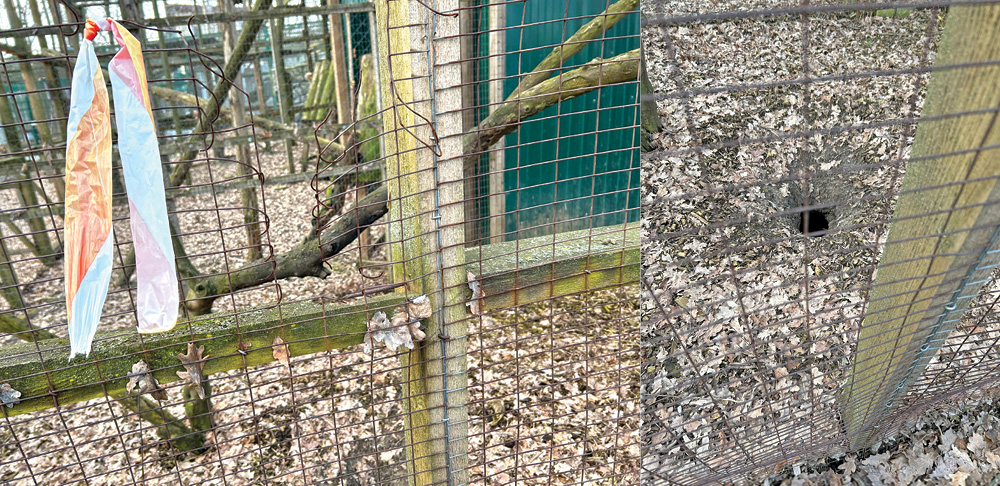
(820, 228)
(434, 281)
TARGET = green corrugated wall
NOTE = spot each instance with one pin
(575, 164)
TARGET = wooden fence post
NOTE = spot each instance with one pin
(276, 29)
(945, 227)
(419, 55)
(248, 196)
(497, 69)
(339, 60)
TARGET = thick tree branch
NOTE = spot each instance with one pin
(590, 31)
(507, 118)
(305, 260)
(168, 427)
(649, 118)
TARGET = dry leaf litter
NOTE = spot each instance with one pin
(762, 319)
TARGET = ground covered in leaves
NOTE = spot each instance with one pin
(748, 324)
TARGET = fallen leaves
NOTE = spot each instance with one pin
(280, 351)
(142, 380)
(739, 308)
(402, 330)
(194, 366)
(8, 395)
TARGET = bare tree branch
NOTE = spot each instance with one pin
(305, 260)
(590, 31)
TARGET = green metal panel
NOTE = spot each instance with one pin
(575, 165)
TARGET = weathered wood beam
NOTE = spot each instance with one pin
(510, 273)
(426, 211)
(307, 327)
(179, 21)
(943, 238)
(536, 269)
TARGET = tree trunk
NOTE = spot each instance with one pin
(649, 118)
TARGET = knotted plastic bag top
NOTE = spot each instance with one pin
(88, 231)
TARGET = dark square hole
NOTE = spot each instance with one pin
(813, 223)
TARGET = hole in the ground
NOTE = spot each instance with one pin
(813, 223)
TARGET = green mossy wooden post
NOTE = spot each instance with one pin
(426, 225)
(945, 223)
(313, 93)
(338, 61)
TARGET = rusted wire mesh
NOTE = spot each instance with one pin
(819, 229)
(490, 237)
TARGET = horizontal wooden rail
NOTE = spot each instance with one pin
(200, 19)
(511, 273)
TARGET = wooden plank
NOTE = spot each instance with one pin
(426, 212)
(497, 72)
(181, 21)
(944, 226)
